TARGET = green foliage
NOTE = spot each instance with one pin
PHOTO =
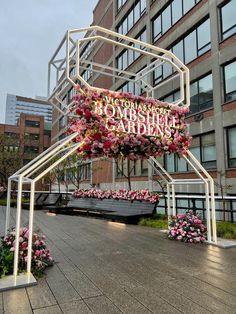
(226, 230)
(6, 261)
(158, 221)
(3, 201)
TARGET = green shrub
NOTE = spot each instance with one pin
(154, 223)
(226, 230)
(3, 201)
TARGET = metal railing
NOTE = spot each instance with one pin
(225, 206)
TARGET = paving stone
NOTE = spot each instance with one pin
(105, 268)
(1, 302)
(102, 305)
(75, 307)
(126, 303)
(55, 309)
(41, 295)
(16, 301)
(208, 302)
(61, 288)
(81, 283)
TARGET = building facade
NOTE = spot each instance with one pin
(15, 105)
(202, 34)
(21, 143)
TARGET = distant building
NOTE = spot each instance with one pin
(27, 139)
(15, 105)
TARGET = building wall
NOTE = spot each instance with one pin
(15, 105)
(29, 137)
(212, 124)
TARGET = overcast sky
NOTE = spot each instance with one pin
(30, 31)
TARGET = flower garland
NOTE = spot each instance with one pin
(187, 228)
(131, 195)
(105, 136)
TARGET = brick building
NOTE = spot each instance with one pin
(202, 33)
(25, 140)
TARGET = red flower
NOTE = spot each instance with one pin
(173, 148)
(87, 147)
(107, 144)
(79, 112)
(87, 114)
(97, 136)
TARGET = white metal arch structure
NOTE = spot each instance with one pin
(30, 174)
(69, 61)
(73, 56)
(203, 178)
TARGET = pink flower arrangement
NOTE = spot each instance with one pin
(41, 256)
(131, 195)
(187, 228)
(101, 130)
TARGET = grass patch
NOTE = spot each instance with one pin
(226, 230)
(3, 201)
(158, 221)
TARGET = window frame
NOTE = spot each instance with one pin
(221, 22)
(224, 82)
(159, 14)
(228, 147)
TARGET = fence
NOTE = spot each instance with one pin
(225, 207)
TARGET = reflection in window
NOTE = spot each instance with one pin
(230, 81)
(231, 138)
(228, 19)
(201, 94)
(187, 49)
(32, 124)
(170, 15)
(127, 57)
(120, 3)
(202, 147)
(132, 17)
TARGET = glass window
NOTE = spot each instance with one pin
(201, 94)
(205, 92)
(208, 150)
(131, 17)
(142, 6)
(178, 50)
(157, 28)
(130, 20)
(231, 136)
(32, 124)
(181, 164)
(190, 47)
(177, 10)
(136, 12)
(203, 148)
(166, 19)
(187, 5)
(127, 57)
(31, 149)
(204, 37)
(170, 163)
(230, 81)
(228, 19)
(170, 15)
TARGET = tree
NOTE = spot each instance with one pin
(11, 157)
(125, 168)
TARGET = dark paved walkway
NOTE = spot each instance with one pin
(104, 267)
